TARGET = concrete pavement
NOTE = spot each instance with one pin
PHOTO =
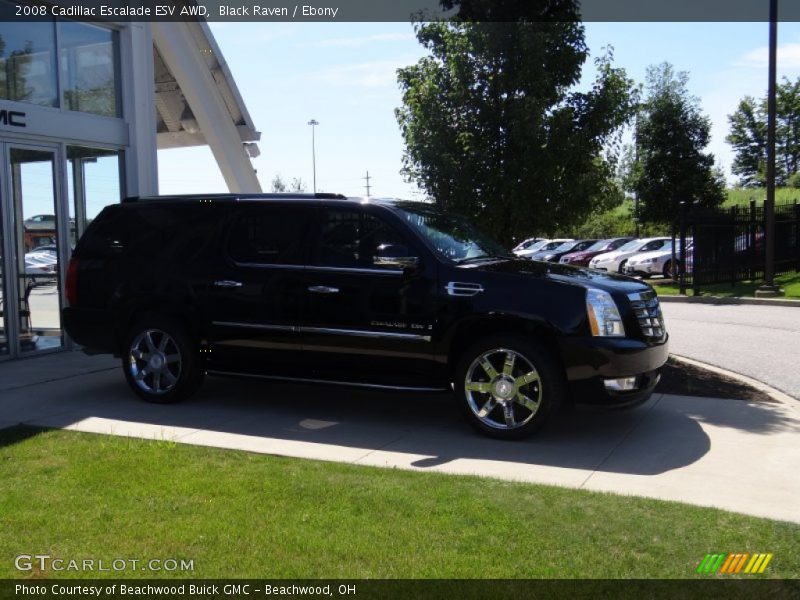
(762, 342)
(729, 454)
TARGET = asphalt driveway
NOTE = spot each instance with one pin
(726, 453)
(762, 342)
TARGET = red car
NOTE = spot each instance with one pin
(582, 258)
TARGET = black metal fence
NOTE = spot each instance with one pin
(727, 245)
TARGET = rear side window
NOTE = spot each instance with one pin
(268, 235)
(351, 238)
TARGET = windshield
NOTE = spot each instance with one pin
(632, 245)
(526, 245)
(451, 237)
(537, 246)
(597, 246)
(565, 246)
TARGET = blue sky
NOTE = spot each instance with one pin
(343, 75)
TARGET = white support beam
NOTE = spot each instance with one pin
(185, 61)
(138, 93)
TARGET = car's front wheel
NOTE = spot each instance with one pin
(160, 362)
(507, 386)
(621, 269)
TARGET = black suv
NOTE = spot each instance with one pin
(382, 294)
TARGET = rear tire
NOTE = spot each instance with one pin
(621, 269)
(507, 386)
(162, 364)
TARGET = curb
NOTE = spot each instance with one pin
(729, 300)
(770, 391)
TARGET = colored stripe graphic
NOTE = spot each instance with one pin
(734, 563)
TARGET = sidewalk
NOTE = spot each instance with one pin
(729, 454)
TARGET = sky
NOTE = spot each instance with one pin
(344, 76)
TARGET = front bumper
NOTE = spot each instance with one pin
(588, 362)
(646, 269)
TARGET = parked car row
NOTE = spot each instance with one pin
(643, 257)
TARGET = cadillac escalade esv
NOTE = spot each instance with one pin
(383, 294)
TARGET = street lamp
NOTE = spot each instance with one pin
(768, 288)
(313, 123)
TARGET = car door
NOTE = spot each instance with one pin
(255, 289)
(366, 319)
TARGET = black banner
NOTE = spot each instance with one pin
(398, 10)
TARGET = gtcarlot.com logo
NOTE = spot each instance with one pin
(741, 562)
(45, 562)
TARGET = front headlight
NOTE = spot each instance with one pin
(647, 260)
(604, 317)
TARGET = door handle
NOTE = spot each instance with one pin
(227, 283)
(323, 289)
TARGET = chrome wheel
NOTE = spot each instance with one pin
(154, 360)
(503, 389)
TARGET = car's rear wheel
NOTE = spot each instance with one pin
(160, 362)
(621, 269)
(507, 386)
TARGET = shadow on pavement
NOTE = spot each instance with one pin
(662, 435)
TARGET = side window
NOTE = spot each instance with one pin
(270, 235)
(351, 238)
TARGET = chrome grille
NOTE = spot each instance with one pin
(648, 314)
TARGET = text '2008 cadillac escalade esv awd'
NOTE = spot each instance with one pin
(383, 294)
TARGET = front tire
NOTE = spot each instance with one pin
(160, 362)
(507, 386)
(621, 269)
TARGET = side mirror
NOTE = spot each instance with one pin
(395, 255)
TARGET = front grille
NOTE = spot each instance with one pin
(648, 314)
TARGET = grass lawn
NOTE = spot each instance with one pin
(742, 196)
(790, 283)
(74, 495)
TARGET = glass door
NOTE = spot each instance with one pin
(32, 265)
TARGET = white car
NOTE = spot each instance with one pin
(528, 244)
(658, 262)
(615, 261)
(542, 246)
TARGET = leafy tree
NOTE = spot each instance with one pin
(670, 164)
(748, 136)
(491, 128)
(280, 186)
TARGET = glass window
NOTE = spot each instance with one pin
(93, 176)
(351, 238)
(89, 68)
(27, 59)
(453, 237)
(268, 235)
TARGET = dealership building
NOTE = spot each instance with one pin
(84, 108)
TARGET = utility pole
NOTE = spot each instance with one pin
(768, 288)
(367, 186)
(313, 123)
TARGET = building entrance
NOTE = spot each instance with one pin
(35, 232)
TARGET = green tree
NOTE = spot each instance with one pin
(492, 130)
(280, 186)
(748, 136)
(671, 165)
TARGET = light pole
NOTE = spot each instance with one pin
(768, 288)
(313, 123)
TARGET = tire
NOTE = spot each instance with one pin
(160, 361)
(621, 269)
(667, 271)
(507, 386)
